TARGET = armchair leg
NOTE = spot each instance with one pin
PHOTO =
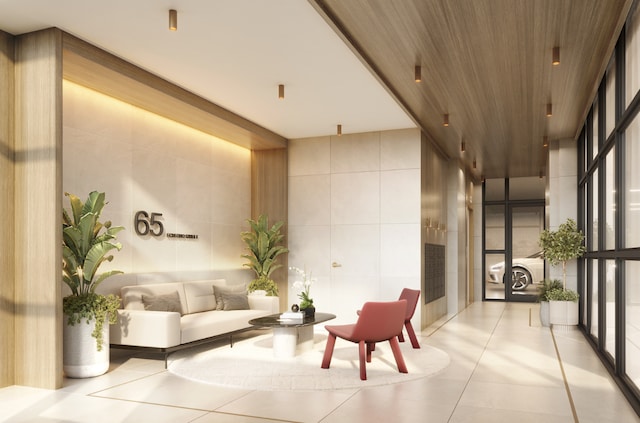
(397, 354)
(412, 334)
(401, 337)
(370, 347)
(363, 361)
(328, 351)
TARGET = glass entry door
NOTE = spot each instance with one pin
(524, 257)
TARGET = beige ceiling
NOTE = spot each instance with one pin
(487, 63)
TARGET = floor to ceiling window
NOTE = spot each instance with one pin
(609, 190)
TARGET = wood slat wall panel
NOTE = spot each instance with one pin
(7, 232)
(269, 195)
(38, 209)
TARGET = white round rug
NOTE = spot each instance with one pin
(250, 364)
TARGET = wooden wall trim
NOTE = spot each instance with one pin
(38, 209)
(269, 195)
(7, 232)
(94, 68)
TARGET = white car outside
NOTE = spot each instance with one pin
(524, 271)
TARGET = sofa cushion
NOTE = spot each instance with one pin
(162, 302)
(213, 323)
(199, 295)
(132, 295)
(235, 302)
(227, 290)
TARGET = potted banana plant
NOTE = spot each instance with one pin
(86, 245)
(262, 242)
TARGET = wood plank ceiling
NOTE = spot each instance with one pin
(487, 64)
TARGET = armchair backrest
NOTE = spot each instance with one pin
(411, 295)
(379, 321)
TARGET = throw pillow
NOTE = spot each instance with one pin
(235, 302)
(165, 302)
(231, 289)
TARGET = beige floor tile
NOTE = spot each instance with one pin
(466, 414)
(298, 406)
(602, 405)
(363, 409)
(520, 397)
(167, 389)
(518, 374)
(58, 406)
(232, 418)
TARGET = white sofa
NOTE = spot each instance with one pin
(165, 317)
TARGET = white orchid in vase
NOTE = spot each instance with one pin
(303, 285)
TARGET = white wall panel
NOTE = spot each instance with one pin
(355, 153)
(400, 196)
(313, 199)
(355, 198)
(399, 149)
(353, 214)
(312, 157)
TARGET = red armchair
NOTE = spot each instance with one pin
(411, 295)
(377, 322)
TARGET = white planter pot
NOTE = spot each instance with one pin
(544, 314)
(563, 313)
(81, 357)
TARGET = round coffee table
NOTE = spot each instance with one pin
(291, 335)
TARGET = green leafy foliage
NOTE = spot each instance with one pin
(86, 245)
(92, 306)
(546, 287)
(560, 294)
(262, 243)
(305, 300)
(265, 284)
(562, 245)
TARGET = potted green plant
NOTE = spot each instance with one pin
(86, 243)
(303, 286)
(262, 242)
(543, 298)
(560, 246)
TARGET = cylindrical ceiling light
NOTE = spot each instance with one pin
(339, 130)
(281, 91)
(462, 146)
(549, 110)
(556, 56)
(418, 73)
(474, 163)
(173, 20)
(445, 121)
(545, 141)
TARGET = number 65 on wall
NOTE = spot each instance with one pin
(145, 224)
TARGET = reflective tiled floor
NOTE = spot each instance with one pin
(504, 368)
